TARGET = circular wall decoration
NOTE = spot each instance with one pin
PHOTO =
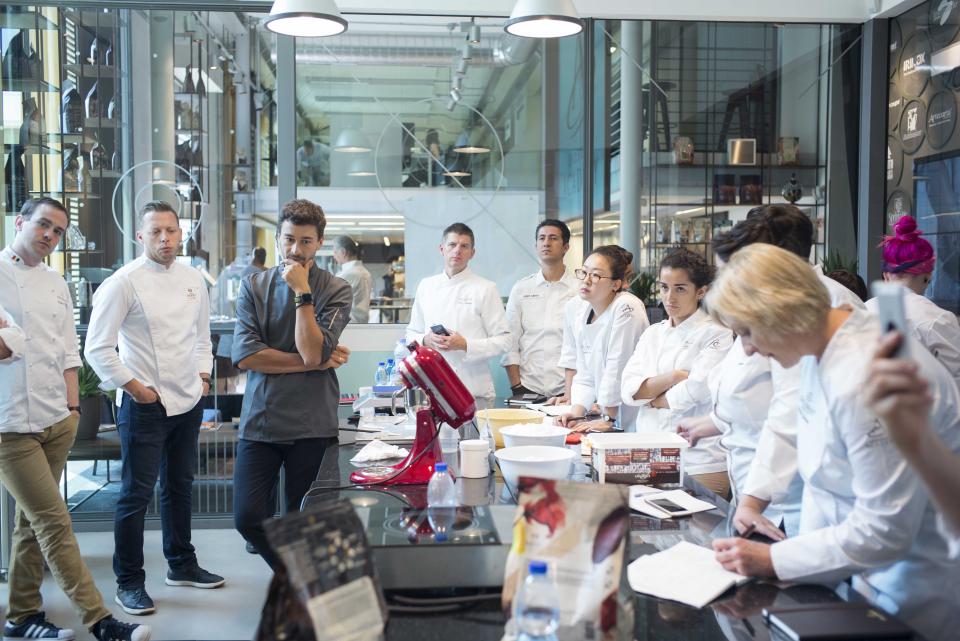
(943, 21)
(941, 118)
(896, 45)
(915, 65)
(894, 107)
(894, 161)
(185, 194)
(912, 124)
(898, 204)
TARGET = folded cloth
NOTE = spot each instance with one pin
(377, 450)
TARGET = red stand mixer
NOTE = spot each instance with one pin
(449, 402)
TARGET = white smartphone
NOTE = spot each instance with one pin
(891, 312)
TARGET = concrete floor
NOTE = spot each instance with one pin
(231, 612)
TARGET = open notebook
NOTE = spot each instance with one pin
(685, 572)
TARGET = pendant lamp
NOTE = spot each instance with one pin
(464, 144)
(305, 18)
(352, 141)
(543, 19)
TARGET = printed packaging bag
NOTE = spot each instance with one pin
(580, 531)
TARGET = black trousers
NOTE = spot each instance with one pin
(255, 476)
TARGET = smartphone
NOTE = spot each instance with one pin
(666, 505)
(890, 310)
(440, 330)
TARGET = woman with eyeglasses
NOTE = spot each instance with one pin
(666, 377)
(608, 328)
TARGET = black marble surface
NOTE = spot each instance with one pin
(737, 615)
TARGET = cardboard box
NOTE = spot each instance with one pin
(638, 459)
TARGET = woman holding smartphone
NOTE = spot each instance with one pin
(666, 377)
(608, 327)
(864, 512)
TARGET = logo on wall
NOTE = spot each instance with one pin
(896, 45)
(894, 107)
(894, 161)
(915, 65)
(943, 20)
(912, 123)
(899, 204)
(941, 119)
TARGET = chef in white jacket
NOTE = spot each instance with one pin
(468, 307)
(908, 259)
(864, 513)
(572, 311)
(772, 477)
(609, 327)
(666, 377)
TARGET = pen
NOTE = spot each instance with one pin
(750, 530)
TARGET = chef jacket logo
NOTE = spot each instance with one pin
(191, 293)
(912, 65)
(714, 345)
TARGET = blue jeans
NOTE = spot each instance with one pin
(255, 475)
(154, 446)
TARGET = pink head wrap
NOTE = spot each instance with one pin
(906, 252)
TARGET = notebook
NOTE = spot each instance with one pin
(665, 504)
(685, 572)
(835, 622)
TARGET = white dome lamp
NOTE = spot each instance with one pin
(351, 141)
(543, 19)
(305, 18)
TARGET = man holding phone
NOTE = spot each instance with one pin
(460, 314)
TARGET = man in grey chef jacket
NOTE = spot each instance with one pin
(289, 320)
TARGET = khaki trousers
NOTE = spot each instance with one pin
(30, 469)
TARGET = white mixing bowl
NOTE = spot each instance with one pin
(529, 434)
(539, 461)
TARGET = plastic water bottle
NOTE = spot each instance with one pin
(536, 606)
(399, 353)
(380, 378)
(441, 501)
(390, 368)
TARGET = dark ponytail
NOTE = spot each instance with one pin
(620, 261)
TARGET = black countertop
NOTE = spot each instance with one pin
(736, 615)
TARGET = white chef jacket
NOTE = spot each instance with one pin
(603, 349)
(471, 306)
(33, 393)
(773, 474)
(535, 317)
(573, 309)
(950, 535)
(936, 328)
(162, 317)
(865, 512)
(361, 282)
(12, 337)
(697, 345)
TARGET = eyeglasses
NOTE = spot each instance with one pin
(582, 274)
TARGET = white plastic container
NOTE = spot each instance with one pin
(638, 458)
(474, 461)
(529, 434)
(538, 461)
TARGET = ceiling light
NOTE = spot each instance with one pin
(543, 19)
(455, 94)
(451, 104)
(386, 241)
(305, 18)
(457, 82)
(466, 53)
(352, 141)
(474, 36)
(462, 67)
(456, 173)
(361, 166)
(464, 146)
(613, 50)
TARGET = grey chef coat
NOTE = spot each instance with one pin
(280, 408)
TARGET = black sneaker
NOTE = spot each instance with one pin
(110, 629)
(35, 626)
(135, 601)
(195, 577)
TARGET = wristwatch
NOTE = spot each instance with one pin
(610, 419)
(303, 299)
(75, 408)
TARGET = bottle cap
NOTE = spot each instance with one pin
(390, 360)
(440, 467)
(381, 363)
(537, 567)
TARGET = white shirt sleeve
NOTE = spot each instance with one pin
(950, 535)
(203, 352)
(694, 390)
(775, 464)
(641, 366)
(625, 328)
(13, 337)
(583, 390)
(71, 356)
(889, 502)
(111, 304)
(942, 338)
(568, 349)
(514, 326)
(415, 328)
(498, 339)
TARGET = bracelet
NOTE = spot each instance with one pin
(75, 408)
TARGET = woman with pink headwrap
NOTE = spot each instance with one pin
(908, 259)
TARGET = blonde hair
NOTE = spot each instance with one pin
(771, 291)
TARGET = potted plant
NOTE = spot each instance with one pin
(90, 401)
(643, 286)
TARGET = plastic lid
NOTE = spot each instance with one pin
(389, 360)
(537, 567)
(440, 467)
(381, 363)
(440, 537)
(475, 444)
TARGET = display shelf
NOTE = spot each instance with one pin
(99, 123)
(31, 20)
(44, 150)
(65, 195)
(29, 86)
(98, 72)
